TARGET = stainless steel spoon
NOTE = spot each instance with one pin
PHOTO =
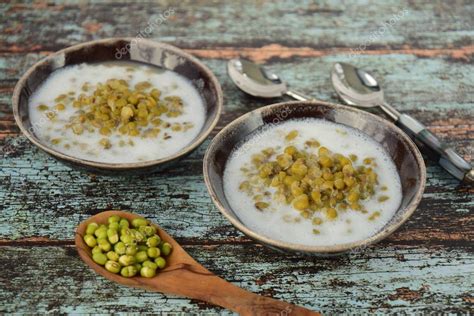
(357, 88)
(258, 82)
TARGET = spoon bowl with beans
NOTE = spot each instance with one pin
(184, 276)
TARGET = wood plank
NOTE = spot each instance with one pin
(34, 183)
(325, 25)
(42, 197)
(438, 91)
(392, 279)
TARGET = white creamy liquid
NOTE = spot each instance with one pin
(350, 225)
(86, 145)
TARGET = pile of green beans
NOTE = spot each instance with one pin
(116, 108)
(317, 182)
(127, 248)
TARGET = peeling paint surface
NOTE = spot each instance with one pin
(425, 63)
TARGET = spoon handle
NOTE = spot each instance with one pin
(298, 95)
(198, 283)
(436, 149)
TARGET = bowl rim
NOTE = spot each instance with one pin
(323, 250)
(203, 134)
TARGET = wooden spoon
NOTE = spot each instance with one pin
(185, 277)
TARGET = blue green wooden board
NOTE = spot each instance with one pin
(425, 58)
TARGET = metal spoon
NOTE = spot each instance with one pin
(258, 82)
(359, 88)
(185, 277)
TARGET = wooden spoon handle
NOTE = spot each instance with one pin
(198, 283)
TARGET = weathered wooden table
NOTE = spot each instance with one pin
(423, 50)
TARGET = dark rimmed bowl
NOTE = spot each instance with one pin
(405, 154)
(127, 49)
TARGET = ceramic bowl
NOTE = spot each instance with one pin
(127, 49)
(405, 154)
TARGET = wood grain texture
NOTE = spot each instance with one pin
(327, 24)
(387, 279)
(425, 62)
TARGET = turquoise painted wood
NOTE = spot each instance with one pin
(425, 59)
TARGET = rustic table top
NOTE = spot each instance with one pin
(423, 51)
